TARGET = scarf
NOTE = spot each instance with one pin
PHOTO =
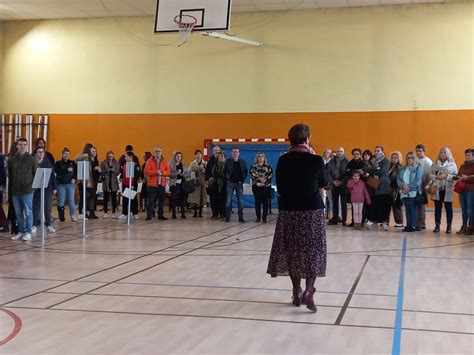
(376, 161)
(300, 148)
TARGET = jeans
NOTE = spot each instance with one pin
(410, 209)
(48, 201)
(66, 193)
(466, 199)
(448, 206)
(239, 191)
(155, 193)
(261, 195)
(24, 212)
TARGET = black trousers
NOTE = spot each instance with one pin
(90, 198)
(448, 206)
(261, 195)
(339, 192)
(112, 197)
(213, 200)
(155, 194)
(382, 205)
(133, 203)
(177, 199)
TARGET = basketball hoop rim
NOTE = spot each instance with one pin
(178, 19)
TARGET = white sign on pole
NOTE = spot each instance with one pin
(129, 193)
(83, 168)
(130, 171)
(42, 177)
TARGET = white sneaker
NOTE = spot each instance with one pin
(26, 237)
(73, 219)
(372, 226)
(398, 225)
(33, 230)
(122, 216)
(50, 229)
(106, 215)
(114, 215)
(385, 227)
(17, 236)
(135, 216)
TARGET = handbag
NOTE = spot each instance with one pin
(460, 186)
(373, 182)
(421, 198)
(188, 186)
(431, 188)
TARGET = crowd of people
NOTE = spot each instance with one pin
(374, 184)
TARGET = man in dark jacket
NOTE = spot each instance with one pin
(235, 172)
(210, 180)
(21, 171)
(336, 173)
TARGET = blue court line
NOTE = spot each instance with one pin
(248, 288)
(397, 334)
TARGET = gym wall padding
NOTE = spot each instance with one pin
(248, 153)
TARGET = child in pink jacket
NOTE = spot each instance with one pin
(359, 195)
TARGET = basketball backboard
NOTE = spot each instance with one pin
(211, 15)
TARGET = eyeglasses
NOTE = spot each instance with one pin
(410, 157)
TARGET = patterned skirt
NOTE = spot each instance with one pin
(299, 245)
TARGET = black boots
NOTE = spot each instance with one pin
(448, 229)
(200, 212)
(61, 214)
(436, 230)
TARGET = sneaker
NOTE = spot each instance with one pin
(114, 215)
(26, 237)
(17, 236)
(385, 227)
(398, 225)
(73, 219)
(135, 216)
(241, 220)
(372, 227)
(50, 229)
(106, 215)
(122, 216)
(33, 230)
(81, 217)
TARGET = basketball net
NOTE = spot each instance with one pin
(186, 25)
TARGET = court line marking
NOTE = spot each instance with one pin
(106, 269)
(161, 262)
(351, 292)
(263, 302)
(16, 329)
(244, 288)
(233, 318)
(397, 334)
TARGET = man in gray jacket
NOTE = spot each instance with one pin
(336, 173)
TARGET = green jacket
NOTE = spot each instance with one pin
(21, 172)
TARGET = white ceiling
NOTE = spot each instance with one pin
(50, 9)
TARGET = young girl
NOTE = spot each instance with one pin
(359, 195)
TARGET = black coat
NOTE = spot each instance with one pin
(62, 174)
(299, 176)
(229, 168)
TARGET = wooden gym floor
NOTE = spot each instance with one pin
(200, 287)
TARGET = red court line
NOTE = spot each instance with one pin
(15, 330)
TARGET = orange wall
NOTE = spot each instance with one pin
(186, 132)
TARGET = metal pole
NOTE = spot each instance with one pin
(129, 199)
(84, 234)
(42, 209)
(4, 127)
(45, 128)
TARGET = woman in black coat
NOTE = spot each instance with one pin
(299, 243)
